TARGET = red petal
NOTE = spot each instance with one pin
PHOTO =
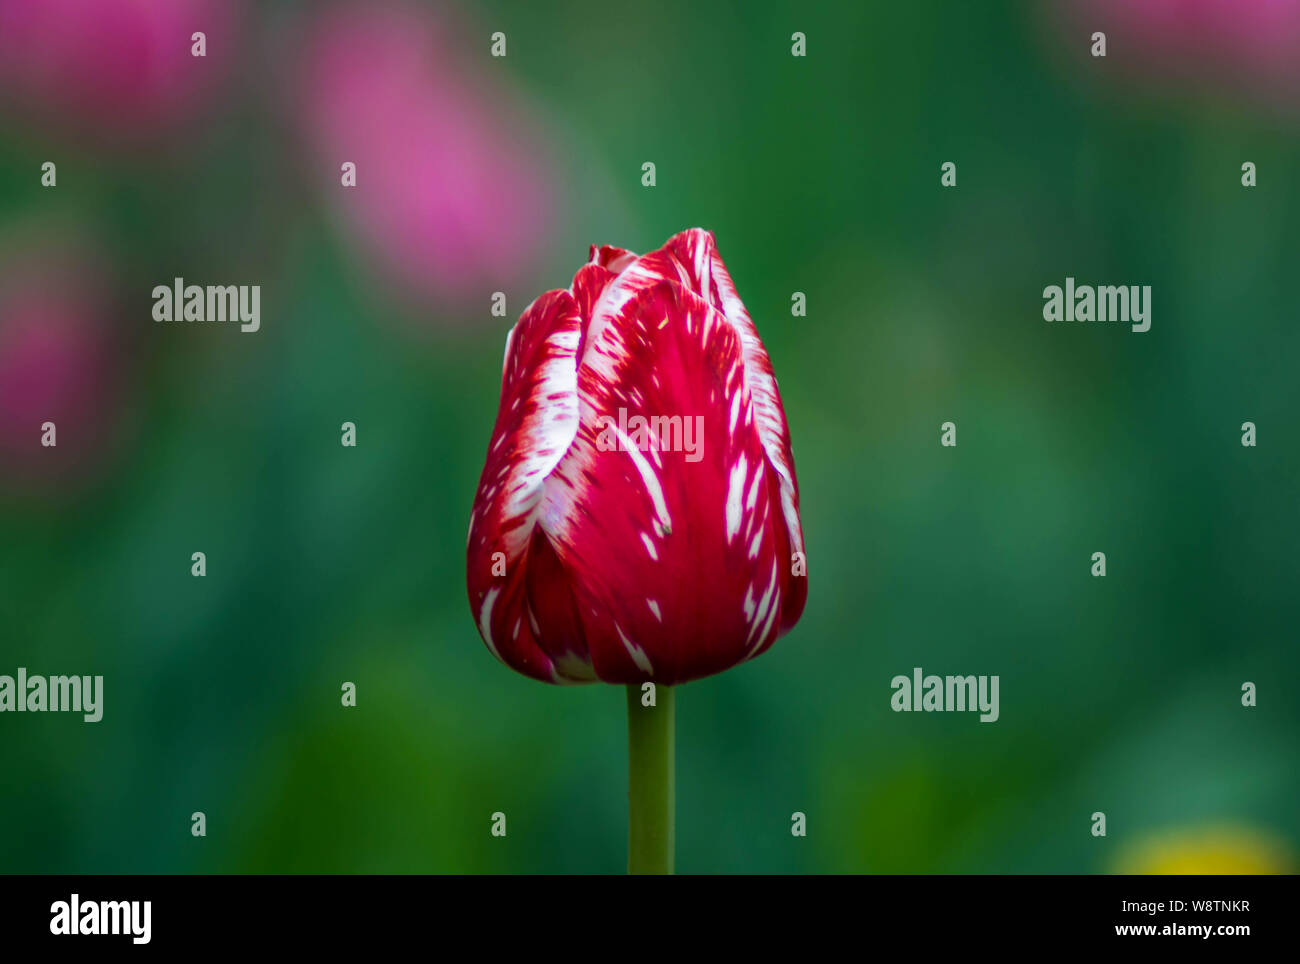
(537, 420)
(588, 285)
(771, 423)
(697, 253)
(615, 259)
(678, 558)
(691, 259)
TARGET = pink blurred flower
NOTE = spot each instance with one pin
(55, 364)
(452, 183)
(1246, 46)
(119, 67)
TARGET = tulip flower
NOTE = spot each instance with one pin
(637, 520)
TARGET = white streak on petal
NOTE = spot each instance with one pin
(636, 652)
(735, 486)
(573, 669)
(485, 619)
(648, 477)
(767, 626)
(752, 495)
(505, 357)
(763, 615)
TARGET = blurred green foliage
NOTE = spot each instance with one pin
(819, 175)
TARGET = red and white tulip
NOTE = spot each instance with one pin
(644, 560)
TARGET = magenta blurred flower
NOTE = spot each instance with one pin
(116, 67)
(55, 365)
(1249, 46)
(451, 196)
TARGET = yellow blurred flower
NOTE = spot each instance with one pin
(1207, 850)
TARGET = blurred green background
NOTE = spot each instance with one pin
(817, 174)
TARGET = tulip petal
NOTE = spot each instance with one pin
(697, 252)
(691, 259)
(671, 528)
(615, 259)
(588, 285)
(536, 422)
(770, 418)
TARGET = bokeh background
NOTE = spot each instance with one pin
(817, 174)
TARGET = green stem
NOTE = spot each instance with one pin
(650, 735)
